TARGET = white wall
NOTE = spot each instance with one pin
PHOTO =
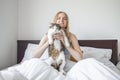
(89, 19)
(8, 32)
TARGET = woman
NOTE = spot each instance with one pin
(88, 69)
(36, 69)
(74, 48)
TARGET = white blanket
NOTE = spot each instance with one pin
(11, 74)
(91, 69)
(35, 69)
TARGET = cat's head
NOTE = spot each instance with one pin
(55, 26)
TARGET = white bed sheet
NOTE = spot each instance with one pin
(105, 61)
(91, 69)
(109, 64)
(11, 74)
(35, 69)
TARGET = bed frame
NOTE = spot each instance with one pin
(109, 44)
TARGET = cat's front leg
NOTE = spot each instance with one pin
(67, 44)
(50, 36)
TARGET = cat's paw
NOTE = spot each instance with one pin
(62, 72)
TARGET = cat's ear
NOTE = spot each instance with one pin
(59, 27)
(51, 25)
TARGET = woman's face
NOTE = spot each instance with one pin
(62, 20)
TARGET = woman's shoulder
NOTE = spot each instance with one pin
(72, 35)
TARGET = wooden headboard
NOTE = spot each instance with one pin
(109, 44)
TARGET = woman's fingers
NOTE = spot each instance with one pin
(58, 36)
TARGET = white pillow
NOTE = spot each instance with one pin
(98, 53)
(30, 50)
(88, 52)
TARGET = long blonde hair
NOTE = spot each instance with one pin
(67, 27)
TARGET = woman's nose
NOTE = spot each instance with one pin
(61, 20)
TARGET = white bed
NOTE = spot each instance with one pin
(96, 52)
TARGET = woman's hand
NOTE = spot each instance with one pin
(61, 36)
(58, 36)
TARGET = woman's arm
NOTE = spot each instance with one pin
(74, 49)
(42, 47)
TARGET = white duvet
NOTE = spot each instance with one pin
(35, 69)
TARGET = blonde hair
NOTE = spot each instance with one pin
(67, 26)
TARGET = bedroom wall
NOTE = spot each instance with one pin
(8, 32)
(89, 19)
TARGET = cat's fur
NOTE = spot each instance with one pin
(56, 48)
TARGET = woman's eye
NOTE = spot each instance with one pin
(64, 18)
(58, 18)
